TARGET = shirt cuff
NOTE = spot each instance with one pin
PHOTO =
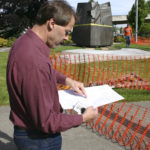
(78, 119)
(60, 78)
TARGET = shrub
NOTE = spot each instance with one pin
(119, 38)
(7, 42)
(11, 41)
(3, 42)
(145, 30)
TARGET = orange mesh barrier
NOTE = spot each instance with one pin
(123, 123)
(141, 40)
(119, 72)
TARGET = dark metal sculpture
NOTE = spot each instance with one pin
(94, 27)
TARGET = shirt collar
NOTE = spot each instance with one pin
(44, 49)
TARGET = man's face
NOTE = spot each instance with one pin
(59, 33)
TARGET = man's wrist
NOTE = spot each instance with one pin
(83, 119)
(68, 81)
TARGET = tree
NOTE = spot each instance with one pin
(16, 15)
(142, 13)
(121, 30)
(145, 30)
(114, 29)
(91, 1)
(148, 5)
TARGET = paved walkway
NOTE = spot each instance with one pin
(130, 53)
(86, 54)
(5, 49)
(121, 52)
(78, 138)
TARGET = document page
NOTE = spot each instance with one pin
(96, 96)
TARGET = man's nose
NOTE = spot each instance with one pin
(66, 37)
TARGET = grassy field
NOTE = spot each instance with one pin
(123, 45)
(61, 48)
(129, 94)
(134, 94)
(4, 99)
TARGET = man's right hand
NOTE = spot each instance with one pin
(89, 114)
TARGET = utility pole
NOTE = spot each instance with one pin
(136, 30)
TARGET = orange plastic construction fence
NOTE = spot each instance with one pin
(141, 40)
(117, 71)
(124, 123)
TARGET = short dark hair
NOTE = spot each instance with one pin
(59, 10)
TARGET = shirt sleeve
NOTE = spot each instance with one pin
(60, 78)
(41, 100)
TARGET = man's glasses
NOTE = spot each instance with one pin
(67, 33)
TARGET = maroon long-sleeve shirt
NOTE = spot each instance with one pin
(32, 87)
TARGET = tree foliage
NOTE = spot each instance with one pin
(142, 13)
(16, 15)
(91, 1)
(145, 30)
(148, 5)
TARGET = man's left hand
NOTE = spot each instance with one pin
(78, 87)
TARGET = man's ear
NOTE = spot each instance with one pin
(50, 24)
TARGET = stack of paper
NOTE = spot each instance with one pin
(96, 96)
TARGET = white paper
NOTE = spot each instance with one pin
(96, 96)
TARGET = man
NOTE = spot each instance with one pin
(32, 82)
(128, 34)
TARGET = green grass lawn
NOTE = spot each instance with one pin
(134, 94)
(61, 48)
(123, 45)
(129, 94)
(4, 99)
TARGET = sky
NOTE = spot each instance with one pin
(118, 7)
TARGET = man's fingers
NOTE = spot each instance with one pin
(77, 86)
(81, 91)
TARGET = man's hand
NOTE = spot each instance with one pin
(90, 114)
(78, 87)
